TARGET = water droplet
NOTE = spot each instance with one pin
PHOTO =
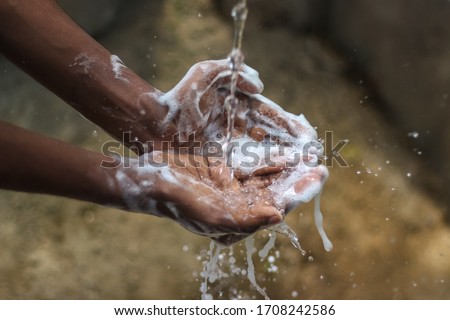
(294, 294)
(273, 269)
(185, 248)
(413, 134)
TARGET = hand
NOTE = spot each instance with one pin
(191, 190)
(197, 193)
(196, 112)
(205, 198)
(195, 106)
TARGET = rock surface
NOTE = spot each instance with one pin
(390, 239)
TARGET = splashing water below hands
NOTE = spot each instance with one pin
(296, 184)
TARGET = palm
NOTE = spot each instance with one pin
(206, 200)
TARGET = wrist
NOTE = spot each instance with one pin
(133, 187)
(120, 101)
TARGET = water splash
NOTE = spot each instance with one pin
(250, 245)
(284, 229)
(211, 271)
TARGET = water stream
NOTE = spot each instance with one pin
(235, 61)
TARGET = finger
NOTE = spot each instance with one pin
(277, 122)
(317, 174)
(266, 170)
(248, 81)
(218, 73)
(259, 171)
(260, 182)
(221, 174)
(303, 188)
(269, 115)
(305, 182)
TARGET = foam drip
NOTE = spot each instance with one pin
(319, 219)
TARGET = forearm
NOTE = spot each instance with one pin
(42, 40)
(34, 163)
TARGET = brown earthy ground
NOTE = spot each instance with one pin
(390, 238)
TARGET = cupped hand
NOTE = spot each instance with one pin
(191, 190)
(195, 106)
(195, 111)
(198, 193)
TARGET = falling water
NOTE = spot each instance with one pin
(235, 61)
(249, 245)
(283, 228)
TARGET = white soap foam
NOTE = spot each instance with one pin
(84, 61)
(117, 67)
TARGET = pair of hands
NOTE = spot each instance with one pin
(203, 192)
(205, 198)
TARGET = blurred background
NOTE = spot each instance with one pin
(374, 72)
